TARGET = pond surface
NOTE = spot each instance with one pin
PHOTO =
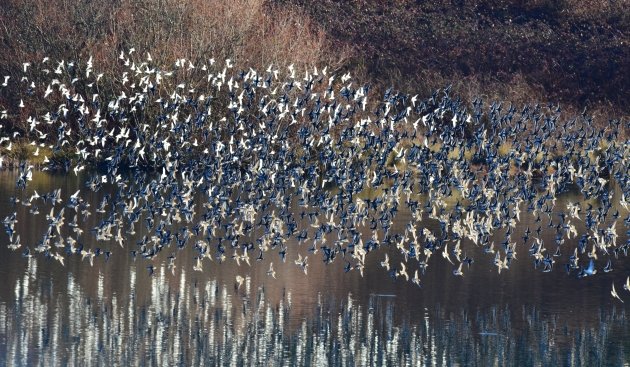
(126, 310)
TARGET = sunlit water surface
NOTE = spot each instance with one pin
(115, 313)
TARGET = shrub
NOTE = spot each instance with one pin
(252, 32)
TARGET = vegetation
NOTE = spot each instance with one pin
(252, 32)
(576, 52)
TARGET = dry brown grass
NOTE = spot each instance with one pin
(252, 32)
(572, 52)
(597, 9)
(512, 50)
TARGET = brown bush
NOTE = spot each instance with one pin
(249, 31)
(253, 33)
(575, 52)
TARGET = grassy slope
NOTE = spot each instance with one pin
(572, 51)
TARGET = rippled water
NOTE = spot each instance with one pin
(115, 313)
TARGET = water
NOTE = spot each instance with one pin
(115, 313)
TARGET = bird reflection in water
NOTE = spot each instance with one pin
(176, 323)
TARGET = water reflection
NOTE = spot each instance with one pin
(49, 320)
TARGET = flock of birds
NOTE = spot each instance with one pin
(205, 155)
